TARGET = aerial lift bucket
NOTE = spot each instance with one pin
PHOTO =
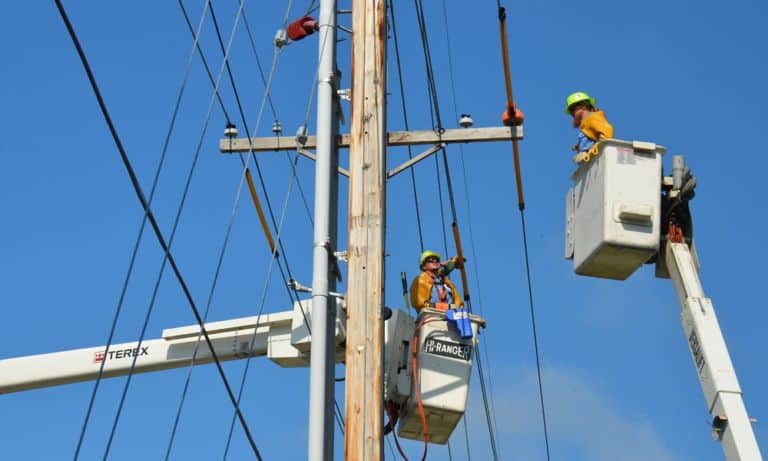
(613, 216)
(443, 370)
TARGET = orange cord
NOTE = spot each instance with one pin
(417, 388)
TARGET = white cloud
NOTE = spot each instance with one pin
(583, 424)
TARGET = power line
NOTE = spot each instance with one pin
(433, 94)
(134, 253)
(405, 120)
(267, 84)
(502, 15)
(267, 97)
(150, 216)
(476, 264)
(535, 336)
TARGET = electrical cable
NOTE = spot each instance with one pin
(405, 120)
(262, 303)
(476, 264)
(434, 99)
(535, 336)
(521, 206)
(466, 437)
(134, 253)
(200, 52)
(267, 84)
(252, 42)
(150, 216)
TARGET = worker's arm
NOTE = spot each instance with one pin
(596, 126)
(420, 291)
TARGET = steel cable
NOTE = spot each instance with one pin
(405, 121)
(150, 216)
(433, 94)
(134, 253)
(476, 264)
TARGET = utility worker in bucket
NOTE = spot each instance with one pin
(432, 288)
(591, 122)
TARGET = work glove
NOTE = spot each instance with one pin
(581, 157)
(593, 151)
(589, 154)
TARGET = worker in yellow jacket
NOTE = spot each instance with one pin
(591, 122)
(432, 288)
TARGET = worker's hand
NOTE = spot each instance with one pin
(512, 116)
(449, 265)
(580, 157)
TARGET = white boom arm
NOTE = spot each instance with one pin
(283, 337)
(730, 425)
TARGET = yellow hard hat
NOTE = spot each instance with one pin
(578, 97)
(427, 254)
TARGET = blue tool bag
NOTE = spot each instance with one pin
(460, 319)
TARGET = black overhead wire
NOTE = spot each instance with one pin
(170, 243)
(535, 336)
(337, 410)
(466, 436)
(267, 84)
(433, 95)
(521, 206)
(134, 253)
(202, 55)
(293, 164)
(150, 216)
(291, 292)
(437, 123)
(405, 120)
(476, 264)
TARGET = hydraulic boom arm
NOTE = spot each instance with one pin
(730, 423)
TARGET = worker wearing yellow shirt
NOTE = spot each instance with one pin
(591, 122)
(432, 288)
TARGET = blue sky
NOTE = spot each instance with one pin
(618, 378)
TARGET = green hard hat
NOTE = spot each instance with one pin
(427, 254)
(578, 97)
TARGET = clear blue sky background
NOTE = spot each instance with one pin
(618, 377)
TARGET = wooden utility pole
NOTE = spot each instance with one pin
(367, 205)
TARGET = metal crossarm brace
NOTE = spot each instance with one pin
(415, 160)
(394, 138)
(311, 156)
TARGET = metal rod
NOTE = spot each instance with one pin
(415, 160)
(321, 383)
(313, 157)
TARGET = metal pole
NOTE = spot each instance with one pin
(321, 382)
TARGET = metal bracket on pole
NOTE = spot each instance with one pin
(415, 160)
(312, 156)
